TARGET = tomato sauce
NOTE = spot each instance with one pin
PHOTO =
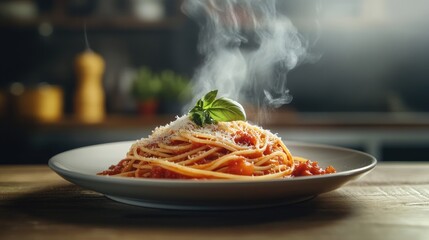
(309, 168)
(115, 169)
(244, 138)
(240, 167)
(159, 172)
(268, 150)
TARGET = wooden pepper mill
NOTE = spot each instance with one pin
(89, 97)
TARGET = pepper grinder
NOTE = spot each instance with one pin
(89, 99)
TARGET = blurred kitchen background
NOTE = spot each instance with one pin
(368, 91)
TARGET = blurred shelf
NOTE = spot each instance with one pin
(111, 122)
(350, 120)
(95, 23)
(63, 14)
(272, 120)
(387, 136)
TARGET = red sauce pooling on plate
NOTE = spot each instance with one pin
(309, 168)
(115, 169)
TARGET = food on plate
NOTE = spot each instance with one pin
(213, 141)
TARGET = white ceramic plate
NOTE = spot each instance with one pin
(80, 166)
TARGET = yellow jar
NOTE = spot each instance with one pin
(43, 103)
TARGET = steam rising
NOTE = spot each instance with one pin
(85, 32)
(249, 46)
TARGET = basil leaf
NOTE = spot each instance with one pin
(200, 104)
(225, 110)
(196, 109)
(208, 119)
(209, 98)
(198, 118)
(209, 110)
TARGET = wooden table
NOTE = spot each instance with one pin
(391, 202)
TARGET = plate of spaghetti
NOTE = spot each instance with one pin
(202, 161)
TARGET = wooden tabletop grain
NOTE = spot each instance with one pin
(391, 202)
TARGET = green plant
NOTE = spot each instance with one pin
(146, 85)
(174, 87)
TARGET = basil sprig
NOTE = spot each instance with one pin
(209, 110)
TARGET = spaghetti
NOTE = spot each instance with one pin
(225, 150)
